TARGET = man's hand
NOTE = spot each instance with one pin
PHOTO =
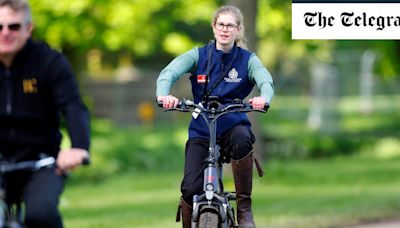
(168, 101)
(258, 102)
(70, 159)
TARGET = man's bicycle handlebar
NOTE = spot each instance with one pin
(33, 165)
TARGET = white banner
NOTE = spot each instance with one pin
(336, 21)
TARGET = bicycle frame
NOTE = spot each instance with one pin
(214, 199)
(11, 215)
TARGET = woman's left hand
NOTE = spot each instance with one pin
(258, 102)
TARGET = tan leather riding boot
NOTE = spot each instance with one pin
(243, 176)
(186, 211)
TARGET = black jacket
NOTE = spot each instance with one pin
(34, 91)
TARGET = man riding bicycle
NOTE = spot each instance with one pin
(36, 85)
(223, 68)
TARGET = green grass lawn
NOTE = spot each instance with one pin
(354, 179)
(303, 193)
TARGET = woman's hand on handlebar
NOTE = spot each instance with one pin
(258, 102)
(168, 101)
(70, 159)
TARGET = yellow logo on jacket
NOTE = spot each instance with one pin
(29, 85)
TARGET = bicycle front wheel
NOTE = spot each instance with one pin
(3, 210)
(208, 220)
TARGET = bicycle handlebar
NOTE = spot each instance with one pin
(6, 167)
(33, 165)
(238, 105)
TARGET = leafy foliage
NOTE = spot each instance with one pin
(159, 30)
(140, 27)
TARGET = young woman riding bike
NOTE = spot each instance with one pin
(223, 68)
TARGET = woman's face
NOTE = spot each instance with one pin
(225, 30)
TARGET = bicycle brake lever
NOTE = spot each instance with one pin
(49, 161)
(239, 101)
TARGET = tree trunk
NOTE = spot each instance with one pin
(249, 11)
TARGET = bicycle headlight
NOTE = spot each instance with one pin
(209, 187)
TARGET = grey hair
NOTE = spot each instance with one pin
(19, 5)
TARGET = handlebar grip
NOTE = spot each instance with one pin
(180, 104)
(266, 106)
(86, 161)
(161, 104)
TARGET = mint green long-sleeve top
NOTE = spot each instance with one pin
(186, 62)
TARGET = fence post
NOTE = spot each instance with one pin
(366, 81)
(323, 112)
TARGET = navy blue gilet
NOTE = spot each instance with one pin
(235, 84)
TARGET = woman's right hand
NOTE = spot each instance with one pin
(168, 101)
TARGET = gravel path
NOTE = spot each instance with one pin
(388, 224)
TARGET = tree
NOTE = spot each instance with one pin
(156, 31)
(249, 11)
(141, 29)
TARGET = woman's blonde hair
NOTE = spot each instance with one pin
(240, 38)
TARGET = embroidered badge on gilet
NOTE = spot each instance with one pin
(233, 76)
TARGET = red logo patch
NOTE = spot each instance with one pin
(201, 78)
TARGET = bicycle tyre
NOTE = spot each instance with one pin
(3, 209)
(231, 218)
(208, 220)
